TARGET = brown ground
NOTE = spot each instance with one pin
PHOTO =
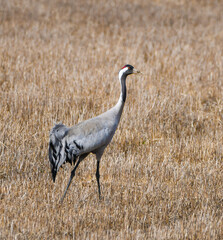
(162, 175)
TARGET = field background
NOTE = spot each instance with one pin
(162, 175)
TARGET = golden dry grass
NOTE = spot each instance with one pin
(162, 175)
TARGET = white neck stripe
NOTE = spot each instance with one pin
(122, 71)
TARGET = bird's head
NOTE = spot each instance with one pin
(127, 70)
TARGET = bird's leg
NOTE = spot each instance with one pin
(73, 174)
(98, 178)
(98, 156)
(71, 177)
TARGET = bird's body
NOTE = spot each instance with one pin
(95, 132)
(90, 136)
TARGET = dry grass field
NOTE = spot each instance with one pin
(162, 174)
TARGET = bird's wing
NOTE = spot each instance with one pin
(66, 144)
(90, 135)
(57, 155)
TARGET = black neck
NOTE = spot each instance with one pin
(123, 85)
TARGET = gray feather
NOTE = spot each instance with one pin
(57, 155)
(90, 136)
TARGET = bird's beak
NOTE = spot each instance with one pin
(135, 71)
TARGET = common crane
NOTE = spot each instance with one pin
(91, 136)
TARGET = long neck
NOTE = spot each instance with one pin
(121, 102)
(122, 79)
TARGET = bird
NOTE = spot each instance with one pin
(74, 144)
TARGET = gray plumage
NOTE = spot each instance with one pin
(91, 136)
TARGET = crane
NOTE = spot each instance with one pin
(90, 136)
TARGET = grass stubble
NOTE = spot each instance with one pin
(162, 174)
